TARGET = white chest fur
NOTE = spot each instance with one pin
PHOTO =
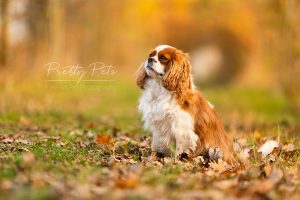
(165, 119)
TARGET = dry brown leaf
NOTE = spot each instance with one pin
(23, 149)
(288, 147)
(112, 161)
(8, 140)
(22, 178)
(225, 184)
(25, 142)
(104, 139)
(6, 184)
(257, 136)
(268, 147)
(89, 125)
(218, 166)
(60, 144)
(39, 179)
(90, 134)
(187, 166)
(244, 155)
(242, 142)
(276, 175)
(128, 182)
(267, 169)
(28, 159)
(262, 186)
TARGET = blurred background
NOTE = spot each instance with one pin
(245, 57)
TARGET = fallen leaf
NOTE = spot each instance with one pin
(76, 132)
(83, 191)
(6, 184)
(60, 144)
(262, 186)
(128, 182)
(268, 147)
(218, 166)
(25, 142)
(242, 142)
(244, 155)
(28, 159)
(39, 179)
(104, 139)
(89, 125)
(267, 169)
(168, 160)
(257, 136)
(276, 175)
(225, 184)
(90, 134)
(288, 147)
(8, 140)
(22, 178)
(23, 149)
(187, 166)
(112, 161)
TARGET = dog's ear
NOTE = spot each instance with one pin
(141, 76)
(178, 72)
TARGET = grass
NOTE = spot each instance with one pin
(58, 127)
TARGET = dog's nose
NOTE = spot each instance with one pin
(150, 60)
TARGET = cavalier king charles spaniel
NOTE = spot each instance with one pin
(175, 111)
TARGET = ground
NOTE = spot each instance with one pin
(88, 142)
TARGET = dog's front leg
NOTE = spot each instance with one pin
(160, 146)
(185, 145)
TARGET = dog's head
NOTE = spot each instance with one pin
(169, 66)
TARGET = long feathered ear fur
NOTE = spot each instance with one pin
(178, 74)
(141, 77)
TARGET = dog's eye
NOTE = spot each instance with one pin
(151, 54)
(163, 58)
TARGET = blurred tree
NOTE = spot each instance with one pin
(257, 40)
(282, 45)
(290, 68)
(3, 32)
(57, 29)
(37, 18)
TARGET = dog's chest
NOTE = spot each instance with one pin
(161, 111)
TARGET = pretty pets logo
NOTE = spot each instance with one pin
(77, 73)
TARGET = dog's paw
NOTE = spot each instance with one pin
(215, 153)
(157, 156)
(187, 155)
(183, 156)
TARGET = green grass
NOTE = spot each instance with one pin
(60, 127)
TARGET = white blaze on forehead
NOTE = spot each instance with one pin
(157, 66)
(162, 47)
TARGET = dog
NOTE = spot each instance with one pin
(175, 111)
